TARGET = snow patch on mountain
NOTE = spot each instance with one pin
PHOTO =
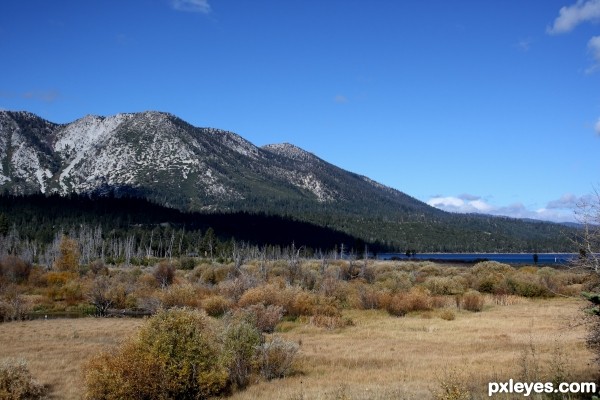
(235, 142)
(311, 183)
(290, 151)
(77, 139)
(26, 163)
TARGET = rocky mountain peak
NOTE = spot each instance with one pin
(289, 150)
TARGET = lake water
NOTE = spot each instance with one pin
(508, 258)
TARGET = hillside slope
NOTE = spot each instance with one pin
(157, 156)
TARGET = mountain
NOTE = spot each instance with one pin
(157, 156)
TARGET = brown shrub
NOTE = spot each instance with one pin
(216, 305)
(303, 303)
(17, 383)
(68, 257)
(97, 267)
(453, 385)
(447, 315)
(416, 300)
(486, 267)
(72, 292)
(13, 305)
(327, 306)
(265, 317)
(59, 278)
(444, 285)
(180, 296)
(164, 273)
(124, 373)
(235, 288)
(329, 286)
(472, 301)
(368, 296)
(439, 301)
(14, 269)
(265, 294)
(276, 357)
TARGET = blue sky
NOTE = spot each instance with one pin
(483, 106)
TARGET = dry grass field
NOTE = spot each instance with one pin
(380, 357)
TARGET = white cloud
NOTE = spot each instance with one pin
(594, 48)
(597, 127)
(461, 204)
(560, 210)
(199, 6)
(566, 201)
(571, 16)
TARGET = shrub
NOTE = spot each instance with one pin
(235, 288)
(265, 317)
(486, 267)
(14, 269)
(443, 285)
(72, 292)
(447, 315)
(395, 281)
(216, 305)
(187, 263)
(303, 303)
(403, 303)
(276, 357)
(368, 297)
(68, 257)
(59, 278)
(452, 386)
(294, 301)
(126, 373)
(180, 296)
(472, 301)
(164, 273)
(13, 306)
(176, 354)
(16, 382)
(98, 268)
(527, 284)
(242, 340)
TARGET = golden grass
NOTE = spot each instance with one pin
(55, 349)
(381, 357)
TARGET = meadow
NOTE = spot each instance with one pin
(366, 329)
(380, 357)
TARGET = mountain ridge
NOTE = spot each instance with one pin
(160, 157)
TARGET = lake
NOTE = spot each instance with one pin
(508, 258)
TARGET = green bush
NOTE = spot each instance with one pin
(177, 354)
(242, 340)
(16, 382)
(187, 263)
(527, 285)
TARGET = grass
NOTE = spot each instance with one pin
(380, 357)
(55, 349)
